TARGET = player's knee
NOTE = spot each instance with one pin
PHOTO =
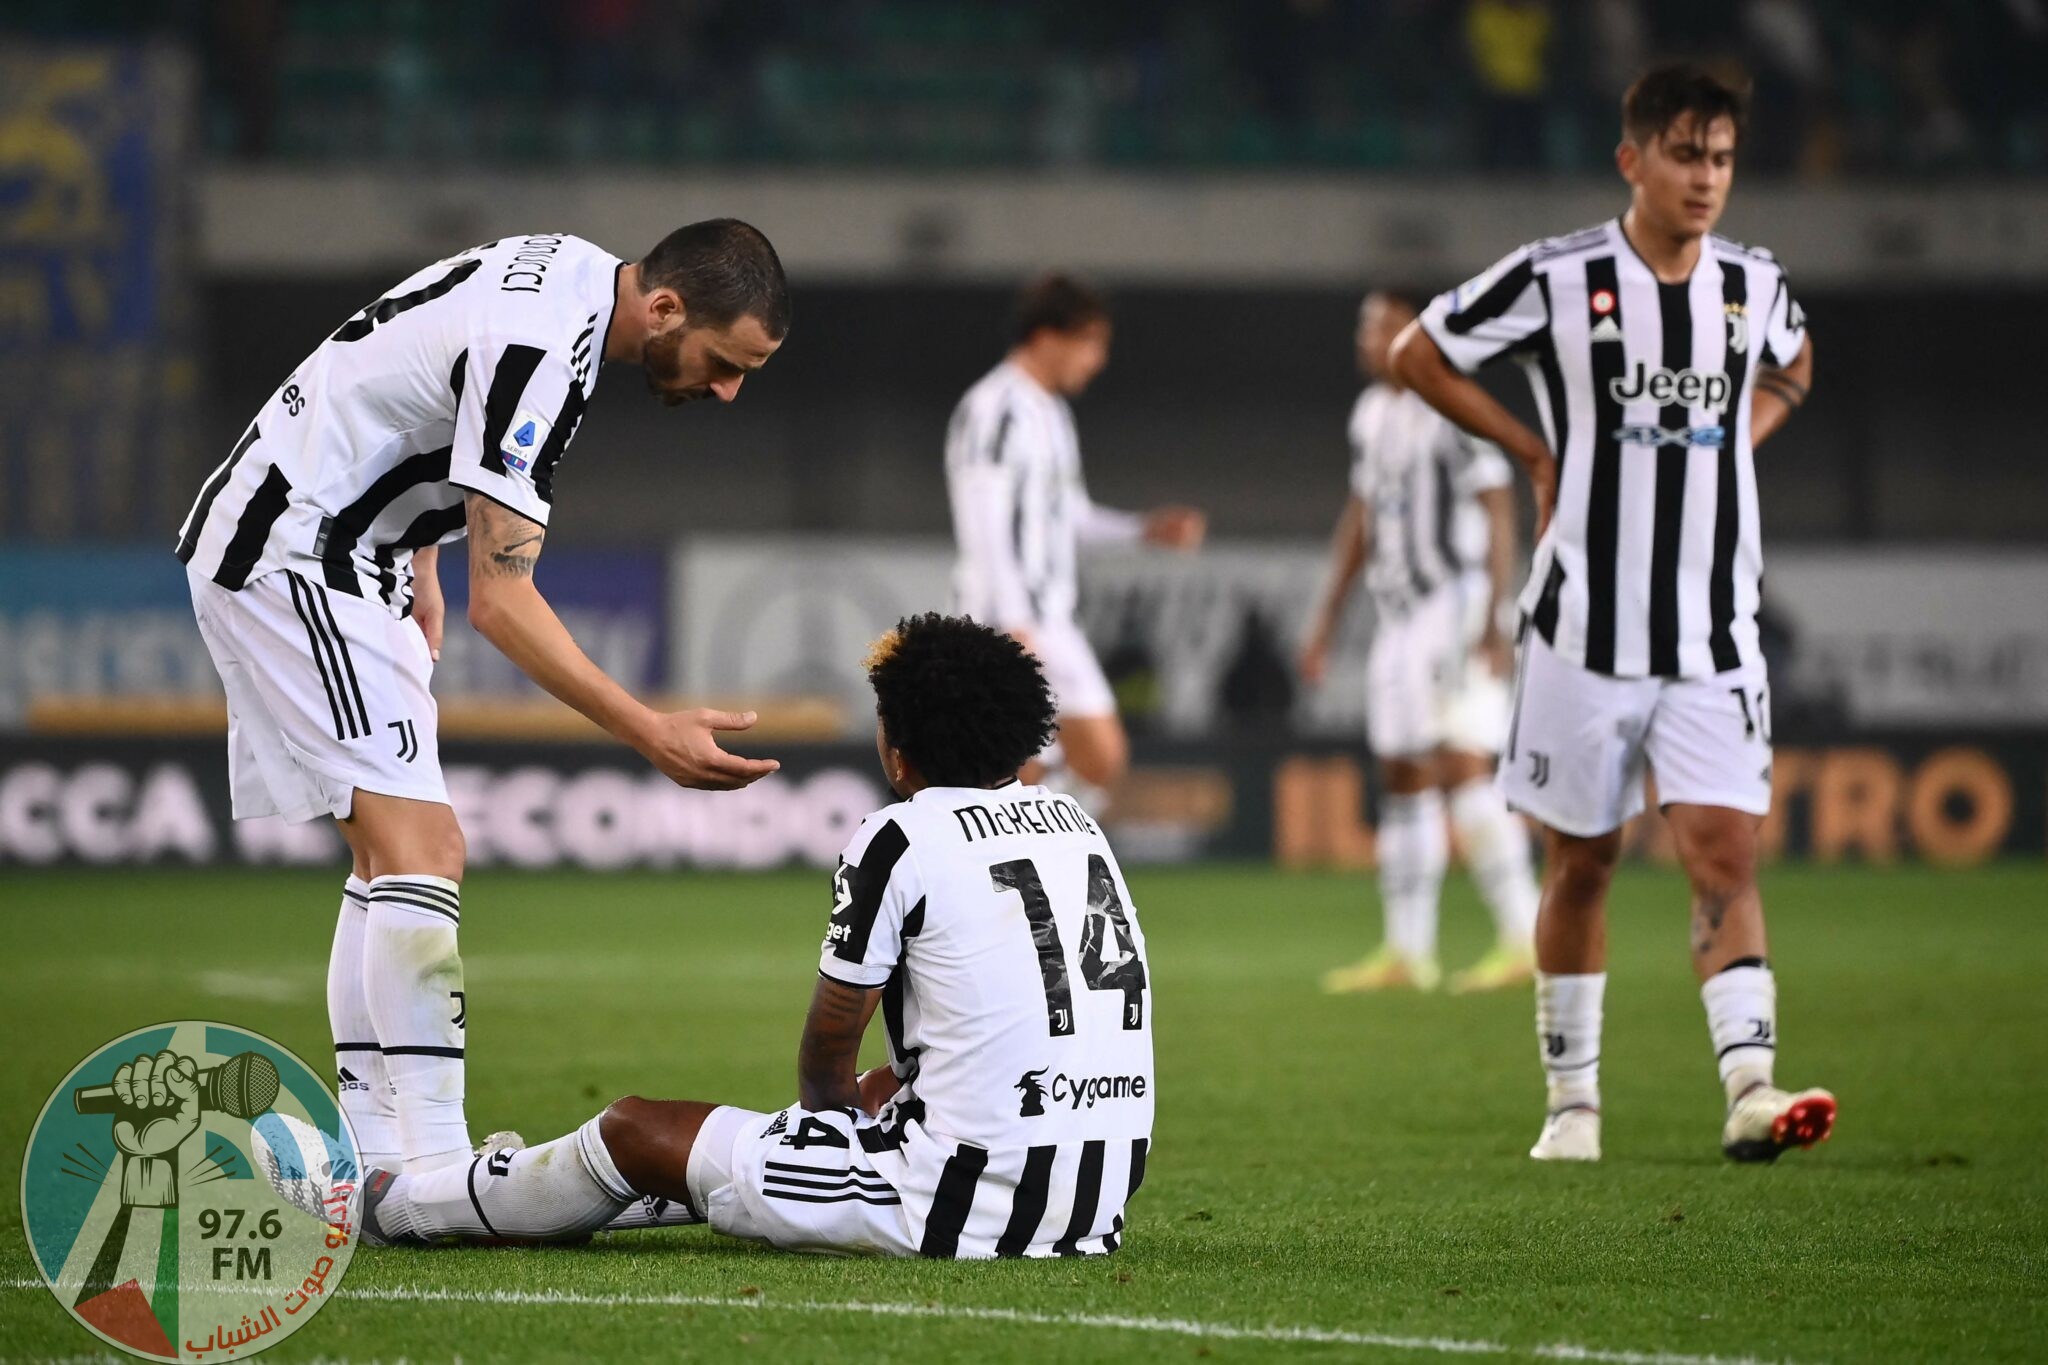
(1409, 775)
(625, 1119)
(423, 841)
(1721, 864)
(439, 848)
(1582, 868)
(1717, 849)
(630, 1127)
(454, 849)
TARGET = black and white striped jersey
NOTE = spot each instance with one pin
(470, 375)
(1421, 477)
(1018, 1008)
(1653, 563)
(1020, 506)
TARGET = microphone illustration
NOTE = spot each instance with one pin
(244, 1085)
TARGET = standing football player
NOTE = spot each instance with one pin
(1431, 521)
(1659, 354)
(990, 922)
(1021, 511)
(440, 410)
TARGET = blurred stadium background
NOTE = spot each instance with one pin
(192, 193)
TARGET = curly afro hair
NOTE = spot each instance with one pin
(966, 704)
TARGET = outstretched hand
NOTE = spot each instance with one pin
(684, 745)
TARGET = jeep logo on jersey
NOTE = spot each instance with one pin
(1687, 387)
(1075, 1092)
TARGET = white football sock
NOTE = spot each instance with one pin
(1412, 852)
(364, 1085)
(1568, 1035)
(1496, 849)
(1742, 1018)
(413, 982)
(563, 1188)
(652, 1211)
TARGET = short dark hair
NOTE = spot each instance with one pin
(1058, 302)
(966, 704)
(1663, 93)
(725, 270)
(1407, 295)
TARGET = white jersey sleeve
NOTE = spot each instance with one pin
(514, 418)
(874, 888)
(1784, 326)
(1361, 448)
(984, 476)
(1490, 314)
(1099, 525)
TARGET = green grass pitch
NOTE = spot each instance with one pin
(1331, 1178)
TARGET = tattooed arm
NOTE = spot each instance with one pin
(1779, 389)
(508, 610)
(826, 1059)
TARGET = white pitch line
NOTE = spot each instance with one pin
(1180, 1327)
(269, 988)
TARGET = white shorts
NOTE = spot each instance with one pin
(327, 693)
(1426, 686)
(1078, 685)
(1579, 741)
(796, 1180)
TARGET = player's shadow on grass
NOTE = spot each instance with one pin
(1864, 1163)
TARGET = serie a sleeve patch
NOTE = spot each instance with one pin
(524, 437)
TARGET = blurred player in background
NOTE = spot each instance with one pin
(1021, 511)
(990, 922)
(1431, 520)
(1659, 355)
(440, 410)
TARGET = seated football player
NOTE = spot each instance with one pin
(990, 922)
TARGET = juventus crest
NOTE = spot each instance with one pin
(1738, 328)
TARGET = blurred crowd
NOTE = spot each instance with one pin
(1842, 87)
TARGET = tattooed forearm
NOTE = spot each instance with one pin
(515, 559)
(502, 544)
(825, 1061)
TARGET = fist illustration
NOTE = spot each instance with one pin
(158, 1104)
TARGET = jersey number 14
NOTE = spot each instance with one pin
(1123, 973)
